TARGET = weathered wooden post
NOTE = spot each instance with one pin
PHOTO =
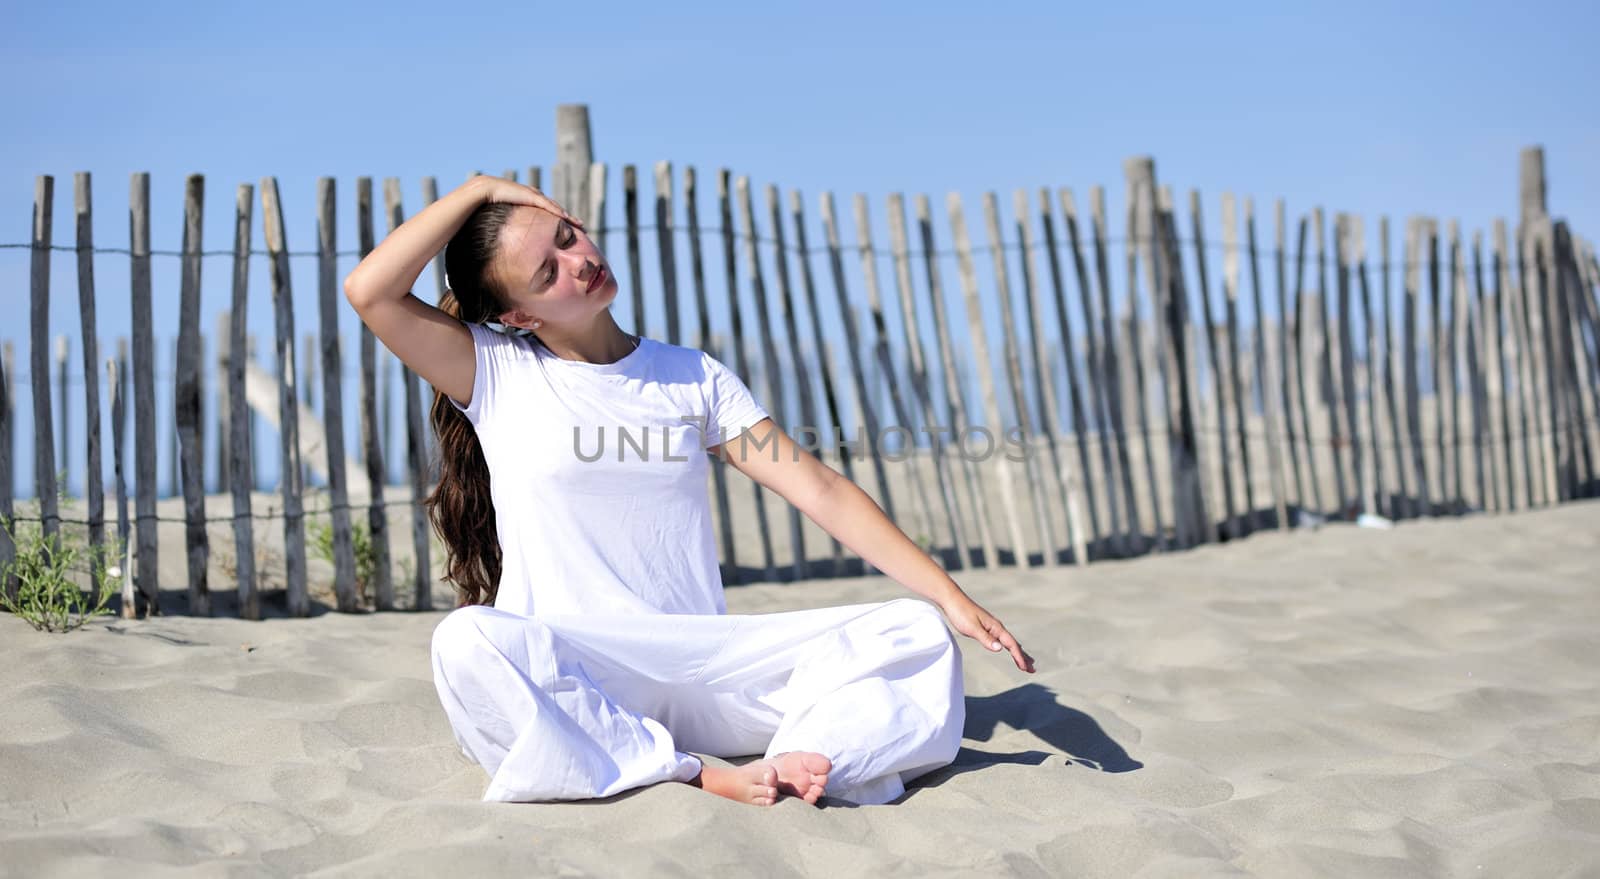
(769, 352)
(1236, 380)
(1215, 357)
(594, 216)
(697, 272)
(1100, 379)
(1345, 375)
(830, 231)
(8, 547)
(1396, 509)
(1356, 249)
(93, 482)
(117, 377)
(740, 364)
(289, 473)
(1077, 489)
(430, 194)
(240, 470)
(144, 392)
(1529, 410)
(1301, 320)
(1542, 260)
(574, 154)
(630, 212)
(1140, 238)
(1480, 372)
(1178, 359)
(955, 401)
(1531, 186)
(1451, 360)
(1436, 353)
(1578, 466)
(666, 249)
(1272, 418)
(44, 444)
(1011, 355)
(1286, 371)
(1533, 211)
(880, 347)
(372, 425)
(1111, 368)
(224, 435)
(805, 413)
(982, 362)
(1533, 311)
(825, 366)
(186, 397)
(328, 297)
(1510, 372)
(1327, 384)
(422, 577)
(63, 404)
(1422, 505)
(919, 368)
(1152, 222)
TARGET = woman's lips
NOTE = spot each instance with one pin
(595, 282)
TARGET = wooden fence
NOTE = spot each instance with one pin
(1198, 390)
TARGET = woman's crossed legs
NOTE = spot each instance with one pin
(853, 700)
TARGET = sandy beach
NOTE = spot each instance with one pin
(1415, 702)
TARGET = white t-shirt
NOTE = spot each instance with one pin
(580, 530)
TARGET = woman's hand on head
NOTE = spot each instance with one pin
(970, 619)
(497, 190)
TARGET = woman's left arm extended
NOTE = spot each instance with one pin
(767, 455)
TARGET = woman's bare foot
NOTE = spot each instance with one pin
(802, 774)
(794, 773)
(754, 783)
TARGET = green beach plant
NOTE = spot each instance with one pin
(361, 545)
(49, 572)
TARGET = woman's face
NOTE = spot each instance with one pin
(550, 270)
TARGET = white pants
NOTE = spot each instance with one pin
(572, 707)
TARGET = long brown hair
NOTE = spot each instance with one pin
(460, 506)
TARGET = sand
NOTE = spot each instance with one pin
(1422, 701)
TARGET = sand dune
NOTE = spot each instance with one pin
(1417, 702)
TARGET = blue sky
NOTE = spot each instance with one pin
(1356, 107)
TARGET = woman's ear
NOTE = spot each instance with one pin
(519, 318)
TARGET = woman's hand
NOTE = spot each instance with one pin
(496, 190)
(971, 620)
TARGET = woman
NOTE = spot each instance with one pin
(592, 648)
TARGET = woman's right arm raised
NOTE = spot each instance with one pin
(433, 344)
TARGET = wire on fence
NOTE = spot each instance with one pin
(1326, 442)
(1382, 266)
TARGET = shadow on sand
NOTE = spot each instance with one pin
(1031, 707)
